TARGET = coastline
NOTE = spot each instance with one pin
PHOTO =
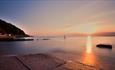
(40, 62)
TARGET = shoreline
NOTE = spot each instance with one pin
(10, 40)
(40, 62)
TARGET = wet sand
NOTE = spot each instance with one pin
(40, 62)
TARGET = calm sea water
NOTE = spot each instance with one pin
(82, 49)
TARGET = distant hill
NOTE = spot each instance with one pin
(95, 34)
(8, 28)
(104, 34)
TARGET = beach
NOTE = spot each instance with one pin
(40, 62)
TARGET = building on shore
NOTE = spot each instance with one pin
(6, 37)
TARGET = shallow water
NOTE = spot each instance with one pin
(82, 49)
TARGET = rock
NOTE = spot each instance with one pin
(45, 39)
(104, 46)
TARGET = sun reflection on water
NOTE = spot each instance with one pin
(89, 45)
(88, 57)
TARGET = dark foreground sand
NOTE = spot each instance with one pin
(40, 62)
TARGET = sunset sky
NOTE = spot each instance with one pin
(55, 17)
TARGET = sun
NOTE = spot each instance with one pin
(87, 28)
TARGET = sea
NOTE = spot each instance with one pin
(78, 49)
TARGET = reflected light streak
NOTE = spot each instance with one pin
(89, 57)
(89, 45)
